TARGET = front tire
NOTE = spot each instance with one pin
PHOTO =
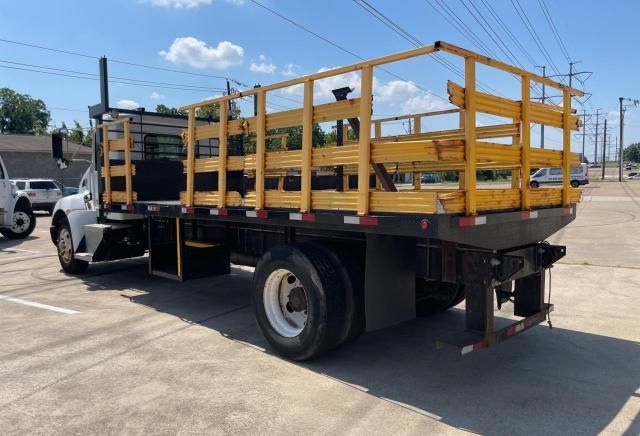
(24, 221)
(66, 253)
(534, 184)
(299, 300)
(575, 184)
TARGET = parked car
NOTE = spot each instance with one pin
(66, 190)
(631, 167)
(554, 176)
(633, 176)
(43, 193)
(428, 178)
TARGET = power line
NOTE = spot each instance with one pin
(499, 44)
(532, 32)
(129, 79)
(414, 40)
(76, 76)
(508, 32)
(311, 32)
(554, 29)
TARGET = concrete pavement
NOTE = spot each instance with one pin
(145, 355)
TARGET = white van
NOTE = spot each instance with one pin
(554, 176)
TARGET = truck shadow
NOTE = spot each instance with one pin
(559, 381)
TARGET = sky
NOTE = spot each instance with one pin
(240, 40)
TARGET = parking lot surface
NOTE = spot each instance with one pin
(117, 351)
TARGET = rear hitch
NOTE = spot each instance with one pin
(516, 276)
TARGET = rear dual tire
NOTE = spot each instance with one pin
(306, 299)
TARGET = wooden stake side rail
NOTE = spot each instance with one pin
(465, 149)
(128, 170)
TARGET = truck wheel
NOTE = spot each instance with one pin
(299, 300)
(24, 221)
(434, 297)
(350, 260)
(66, 253)
(534, 184)
(575, 183)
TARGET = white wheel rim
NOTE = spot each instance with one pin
(285, 303)
(21, 222)
(65, 248)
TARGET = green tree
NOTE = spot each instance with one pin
(162, 109)
(632, 153)
(22, 114)
(77, 135)
(211, 110)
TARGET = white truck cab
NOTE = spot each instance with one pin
(554, 176)
(17, 220)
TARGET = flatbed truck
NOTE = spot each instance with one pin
(334, 255)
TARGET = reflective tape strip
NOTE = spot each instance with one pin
(518, 327)
(469, 221)
(309, 217)
(219, 212)
(187, 210)
(257, 214)
(361, 220)
(568, 210)
(528, 215)
(153, 208)
(469, 348)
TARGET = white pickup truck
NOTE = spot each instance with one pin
(17, 220)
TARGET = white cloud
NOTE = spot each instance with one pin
(322, 88)
(289, 70)
(127, 104)
(263, 66)
(402, 95)
(178, 4)
(191, 51)
(156, 96)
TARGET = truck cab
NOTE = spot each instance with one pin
(17, 219)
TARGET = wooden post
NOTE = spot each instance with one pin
(378, 129)
(191, 154)
(222, 155)
(470, 135)
(461, 126)
(525, 139)
(515, 173)
(260, 148)
(127, 161)
(417, 125)
(417, 183)
(107, 164)
(364, 143)
(307, 148)
(566, 147)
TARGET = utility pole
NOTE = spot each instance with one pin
(584, 130)
(622, 109)
(595, 153)
(604, 148)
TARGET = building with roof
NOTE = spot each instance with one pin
(29, 156)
